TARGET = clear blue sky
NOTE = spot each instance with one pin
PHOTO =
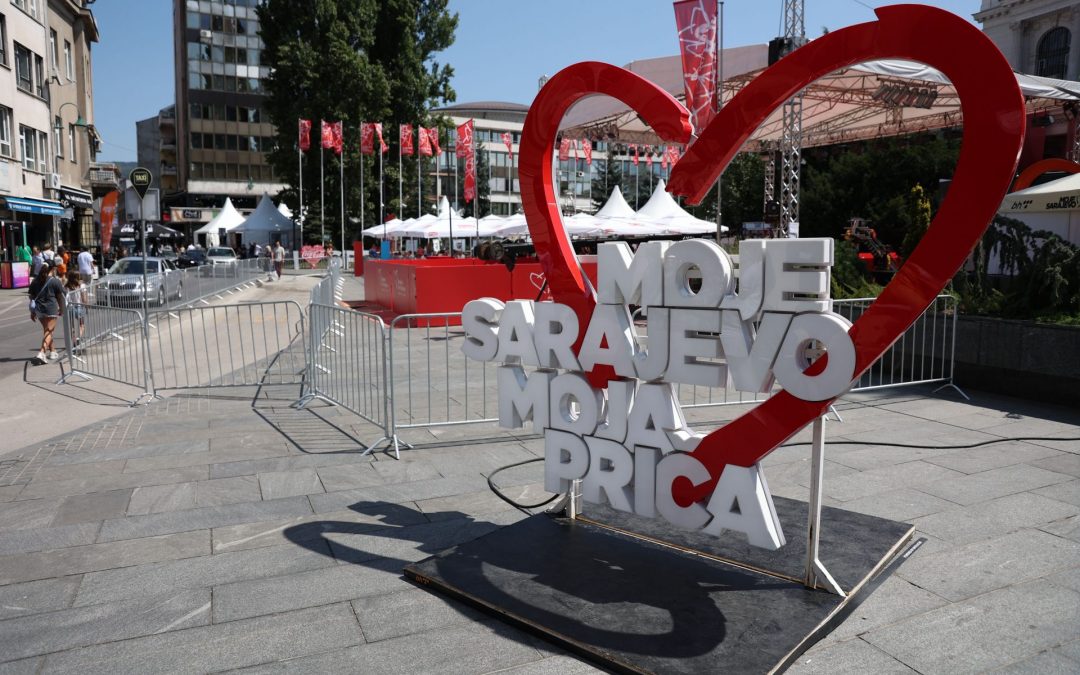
(501, 47)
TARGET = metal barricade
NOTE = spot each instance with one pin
(432, 383)
(347, 366)
(107, 343)
(224, 345)
(176, 288)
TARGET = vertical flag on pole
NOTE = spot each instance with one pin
(696, 22)
(305, 135)
(406, 139)
(338, 135)
(466, 146)
(508, 142)
(383, 147)
(425, 142)
(327, 135)
(586, 147)
(367, 138)
(663, 157)
(433, 136)
(648, 155)
(634, 148)
(564, 149)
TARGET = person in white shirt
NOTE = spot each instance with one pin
(86, 265)
(279, 258)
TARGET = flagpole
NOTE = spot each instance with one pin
(300, 168)
(719, 93)
(382, 214)
(341, 164)
(322, 194)
(400, 200)
(419, 183)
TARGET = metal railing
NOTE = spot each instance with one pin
(107, 343)
(176, 288)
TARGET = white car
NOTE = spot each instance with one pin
(222, 262)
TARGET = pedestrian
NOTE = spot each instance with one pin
(36, 260)
(60, 260)
(85, 262)
(23, 254)
(279, 258)
(268, 262)
(78, 295)
(47, 252)
(46, 303)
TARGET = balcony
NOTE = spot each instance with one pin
(104, 176)
(168, 169)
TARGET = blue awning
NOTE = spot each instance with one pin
(28, 205)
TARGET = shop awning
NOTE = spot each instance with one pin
(28, 205)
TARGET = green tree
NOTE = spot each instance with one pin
(608, 175)
(354, 61)
(743, 184)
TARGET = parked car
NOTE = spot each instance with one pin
(123, 284)
(193, 258)
(222, 262)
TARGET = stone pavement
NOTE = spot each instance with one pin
(204, 534)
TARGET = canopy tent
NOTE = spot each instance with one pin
(285, 210)
(664, 212)
(617, 218)
(228, 219)
(856, 103)
(266, 225)
(1053, 206)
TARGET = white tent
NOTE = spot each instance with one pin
(442, 226)
(266, 224)
(390, 228)
(617, 218)
(512, 226)
(663, 212)
(228, 219)
(284, 210)
(1053, 206)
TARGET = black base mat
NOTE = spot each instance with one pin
(635, 605)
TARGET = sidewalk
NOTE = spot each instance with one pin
(204, 534)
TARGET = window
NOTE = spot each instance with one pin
(3, 40)
(58, 128)
(55, 62)
(5, 132)
(1052, 53)
(69, 63)
(28, 145)
(43, 151)
(39, 75)
(73, 148)
(24, 78)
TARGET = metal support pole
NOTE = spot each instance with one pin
(322, 198)
(815, 570)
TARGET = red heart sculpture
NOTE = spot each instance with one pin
(993, 111)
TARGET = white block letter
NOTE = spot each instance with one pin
(829, 331)
(651, 362)
(695, 335)
(608, 340)
(516, 334)
(655, 411)
(750, 357)
(566, 458)
(626, 278)
(480, 319)
(522, 397)
(751, 280)
(617, 403)
(712, 264)
(554, 333)
(671, 467)
(797, 275)
(611, 468)
(741, 502)
(575, 405)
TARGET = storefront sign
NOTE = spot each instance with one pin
(76, 199)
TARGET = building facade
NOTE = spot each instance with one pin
(47, 137)
(222, 136)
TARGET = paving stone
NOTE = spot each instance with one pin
(1064, 462)
(985, 632)
(1070, 650)
(223, 491)
(1069, 578)
(201, 572)
(311, 527)
(995, 517)
(140, 464)
(94, 557)
(254, 466)
(34, 597)
(457, 506)
(854, 485)
(1063, 492)
(894, 600)
(203, 518)
(313, 588)
(407, 471)
(69, 471)
(133, 451)
(357, 475)
(409, 611)
(1045, 663)
(397, 493)
(553, 665)
(980, 487)
(28, 514)
(1068, 528)
(874, 457)
(40, 539)
(81, 626)
(92, 507)
(964, 571)
(121, 481)
(984, 458)
(9, 492)
(851, 656)
(412, 543)
(277, 484)
(30, 666)
(218, 647)
(904, 504)
(161, 498)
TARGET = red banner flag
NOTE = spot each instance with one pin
(327, 135)
(339, 137)
(367, 138)
(564, 149)
(425, 142)
(465, 146)
(573, 146)
(586, 146)
(663, 157)
(696, 22)
(648, 155)
(305, 135)
(633, 146)
(433, 135)
(405, 135)
(508, 141)
(673, 155)
(383, 147)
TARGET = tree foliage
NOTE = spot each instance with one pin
(354, 61)
(608, 174)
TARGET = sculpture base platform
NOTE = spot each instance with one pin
(635, 595)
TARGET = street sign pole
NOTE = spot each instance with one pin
(140, 180)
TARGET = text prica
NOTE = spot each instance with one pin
(706, 324)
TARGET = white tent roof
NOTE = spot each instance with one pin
(615, 206)
(663, 211)
(228, 217)
(266, 219)
(1057, 195)
(284, 210)
(390, 228)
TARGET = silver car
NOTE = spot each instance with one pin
(223, 262)
(123, 284)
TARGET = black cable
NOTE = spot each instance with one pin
(511, 502)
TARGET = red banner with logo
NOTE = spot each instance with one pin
(466, 147)
(327, 135)
(383, 147)
(425, 143)
(586, 146)
(108, 218)
(634, 149)
(508, 141)
(564, 149)
(405, 135)
(663, 157)
(339, 137)
(433, 136)
(696, 22)
(305, 135)
(367, 138)
(672, 155)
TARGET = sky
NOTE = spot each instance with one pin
(501, 48)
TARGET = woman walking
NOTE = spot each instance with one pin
(77, 294)
(46, 305)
